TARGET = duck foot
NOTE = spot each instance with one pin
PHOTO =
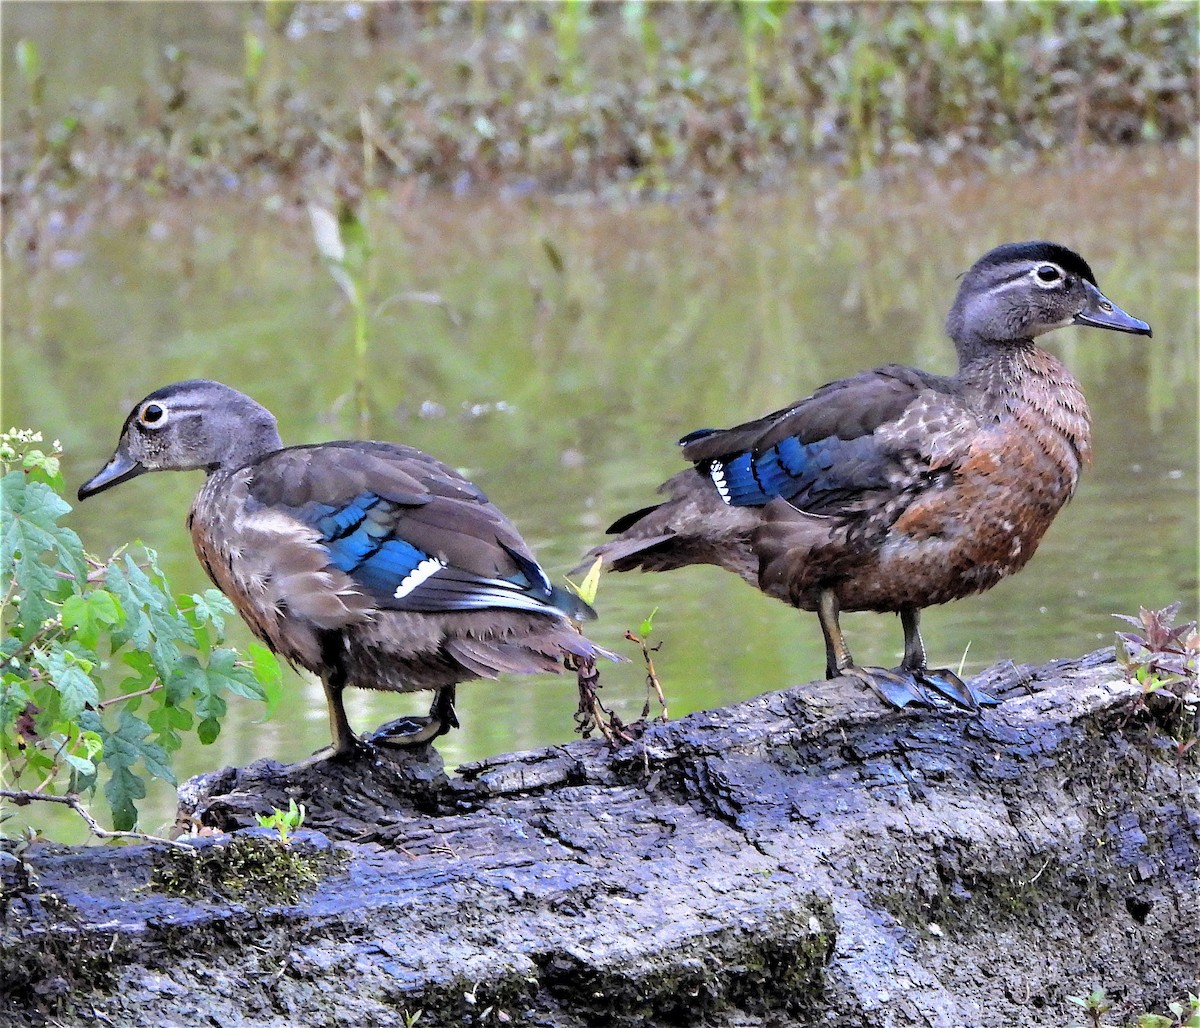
(408, 732)
(898, 687)
(946, 683)
(353, 749)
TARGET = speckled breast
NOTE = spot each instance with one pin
(984, 519)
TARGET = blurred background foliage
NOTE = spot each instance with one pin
(603, 97)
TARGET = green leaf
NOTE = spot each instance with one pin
(152, 620)
(30, 512)
(146, 675)
(236, 677)
(265, 667)
(90, 613)
(124, 749)
(80, 765)
(590, 585)
(168, 722)
(210, 607)
(28, 59)
(70, 674)
(14, 698)
(255, 51)
(647, 626)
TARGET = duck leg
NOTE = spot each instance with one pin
(896, 688)
(942, 680)
(407, 732)
(912, 681)
(345, 743)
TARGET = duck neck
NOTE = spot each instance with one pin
(255, 439)
(997, 368)
(1021, 382)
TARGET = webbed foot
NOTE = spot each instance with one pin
(898, 687)
(408, 732)
(946, 683)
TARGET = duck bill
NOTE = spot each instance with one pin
(120, 469)
(1101, 312)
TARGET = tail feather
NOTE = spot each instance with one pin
(693, 526)
(627, 521)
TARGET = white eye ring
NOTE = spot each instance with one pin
(1047, 275)
(152, 415)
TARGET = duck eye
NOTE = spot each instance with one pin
(1048, 273)
(153, 414)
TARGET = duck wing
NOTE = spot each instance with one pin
(410, 533)
(882, 430)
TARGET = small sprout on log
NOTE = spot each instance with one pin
(1184, 1015)
(1095, 1005)
(284, 821)
(1164, 660)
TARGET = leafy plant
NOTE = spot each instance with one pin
(1163, 658)
(1183, 1015)
(284, 821)
(103, 670)
(1095, 1005)
(1161, 655)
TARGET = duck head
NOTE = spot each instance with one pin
(186, 426)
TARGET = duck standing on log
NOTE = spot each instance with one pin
(368, 563)
(897, 489)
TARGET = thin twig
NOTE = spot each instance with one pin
(23, 797)
(130, 695)
(652, 682)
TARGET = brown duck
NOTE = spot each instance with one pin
(370, 564)
(897, 489)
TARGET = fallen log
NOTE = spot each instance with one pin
(805, 857)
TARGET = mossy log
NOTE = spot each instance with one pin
(802, 858)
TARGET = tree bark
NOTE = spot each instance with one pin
(802, 858)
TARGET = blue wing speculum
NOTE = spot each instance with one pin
(363, 539)
(799, 472)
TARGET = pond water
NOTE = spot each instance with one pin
(571, 344)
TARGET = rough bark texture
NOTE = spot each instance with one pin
(802, 858)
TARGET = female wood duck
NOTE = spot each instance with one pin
(369, 564)
(897, 489)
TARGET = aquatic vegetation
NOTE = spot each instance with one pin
(621, 97)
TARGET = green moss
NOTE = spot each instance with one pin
(246, 867)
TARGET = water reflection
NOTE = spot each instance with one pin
(560, 386)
